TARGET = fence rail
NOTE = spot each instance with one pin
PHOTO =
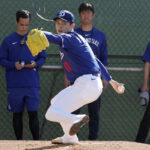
(131, 69)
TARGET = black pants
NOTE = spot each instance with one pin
(94, 110)
(33, 124)
(144, 126)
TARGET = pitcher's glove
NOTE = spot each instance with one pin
(36, 41)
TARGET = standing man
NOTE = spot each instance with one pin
(22, 76)
(98, 44)
(145, 122)
(82, 69)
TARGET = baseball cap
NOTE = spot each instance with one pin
(65, 15)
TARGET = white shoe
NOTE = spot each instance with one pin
(78, 124)
(58, 140)
(66, 140)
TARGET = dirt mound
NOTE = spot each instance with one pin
(84, 145)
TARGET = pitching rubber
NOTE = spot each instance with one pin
(76, 127)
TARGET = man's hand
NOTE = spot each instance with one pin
(31, 65)
(19, 66)
(118, 87)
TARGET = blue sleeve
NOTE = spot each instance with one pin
(64, 40)
(4, 50)
(104, 73)
(104, 54)
(41, 59)
(53, 38)
(146, 56)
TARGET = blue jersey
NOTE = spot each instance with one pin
(146, 56)
(10, 52)
(97, 42)
(77, 56)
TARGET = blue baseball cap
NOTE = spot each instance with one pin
(65, 15)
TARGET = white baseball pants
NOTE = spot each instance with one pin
(86, 89)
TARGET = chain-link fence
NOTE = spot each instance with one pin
(126, 25)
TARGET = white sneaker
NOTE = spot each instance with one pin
(66, 140)
(78, 124)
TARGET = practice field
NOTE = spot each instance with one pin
(86, 145)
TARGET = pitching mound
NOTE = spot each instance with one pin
(86, 145)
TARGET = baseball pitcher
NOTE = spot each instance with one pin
(82, 69)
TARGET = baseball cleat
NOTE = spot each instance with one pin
(63, 140)
(76, 126)
(58, 140)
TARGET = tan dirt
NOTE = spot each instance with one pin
(84, 145)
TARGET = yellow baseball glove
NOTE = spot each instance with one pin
(36, 41)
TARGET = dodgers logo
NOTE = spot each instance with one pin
(61, 14)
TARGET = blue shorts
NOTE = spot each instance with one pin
(18, 98)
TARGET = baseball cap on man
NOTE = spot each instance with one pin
(65, 15)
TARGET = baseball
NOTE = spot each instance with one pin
(121, 88)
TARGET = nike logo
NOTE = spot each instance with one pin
(14, 43)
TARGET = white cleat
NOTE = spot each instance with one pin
(64, 140)
(79, 124)
(58, 140)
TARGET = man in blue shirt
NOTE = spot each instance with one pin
(22, 76)
(83, 69)
(98, 44)
(145, 122)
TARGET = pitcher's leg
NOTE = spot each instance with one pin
(63, 104)
(70, 99)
